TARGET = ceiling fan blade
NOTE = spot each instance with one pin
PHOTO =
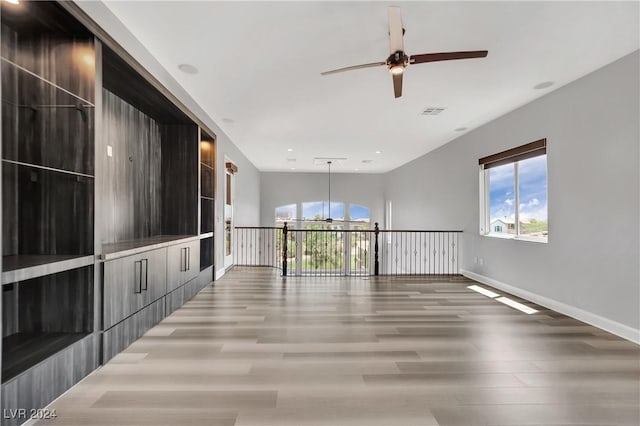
(354, 67)
(446, 56)
(397, 85)
(396, 31)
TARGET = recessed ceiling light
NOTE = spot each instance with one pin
(293, 168)
(290, 149)
(378, 152)
(461, 129)
(228, 120)
(544, 85)
(356, 169)
(188, 69)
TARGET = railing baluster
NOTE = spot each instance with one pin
(351, 252)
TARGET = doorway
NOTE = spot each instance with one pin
(229, 197)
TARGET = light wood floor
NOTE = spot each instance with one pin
(257, 350)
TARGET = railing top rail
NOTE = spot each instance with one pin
(328, 230)
(258, 227)
(422, 230)
(352, 230)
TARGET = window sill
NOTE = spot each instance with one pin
(518, 238)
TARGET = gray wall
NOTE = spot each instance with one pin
(247, 200)
(592, 258)
(278, 189)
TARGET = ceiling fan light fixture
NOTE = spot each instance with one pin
(396, 69)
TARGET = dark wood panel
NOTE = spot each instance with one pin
(132, 201)
(123, 334)
(122, 289)
(155, 263)
(207, 149)
(174, 300)
(193, 261)
(45, 125)
(206, 182)
(131, 283)
(41, 384)
(206, 253)
(183, 264)
(118, 77)
(37, 313)
(175, 266)
(51, 44)
(180, 179)
(46, 212)
(207, 214)
(22, 351)
(61, 302)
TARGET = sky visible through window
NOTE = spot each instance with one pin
(532, 179)
(321, 209)
(358, 212)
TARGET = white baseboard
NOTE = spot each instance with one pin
(220, 273)
(606, 324)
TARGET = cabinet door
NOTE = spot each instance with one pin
(123, 294)
(154, 274)
(193, 261)
(176, 265)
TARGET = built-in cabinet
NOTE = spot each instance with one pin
(183, 264)
(108, 200)
(207, 198)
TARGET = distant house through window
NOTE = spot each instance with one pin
(514, 193)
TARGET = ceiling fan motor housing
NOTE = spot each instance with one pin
(398, 58)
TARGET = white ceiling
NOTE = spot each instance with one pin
(259, 64)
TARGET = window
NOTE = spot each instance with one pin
(514, 193)
(315, 210)
(285, 214)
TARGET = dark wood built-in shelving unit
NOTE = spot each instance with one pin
(207, 198)
(108, 198)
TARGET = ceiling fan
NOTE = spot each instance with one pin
(398, 60)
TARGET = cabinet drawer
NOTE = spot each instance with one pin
(123, 294)
(193, 261)
(131, 283)
(122, 335)
(183, 264)
(154, 274)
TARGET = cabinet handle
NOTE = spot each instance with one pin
(183, 259)
(146, 274)
(138, 271)
(188, 258)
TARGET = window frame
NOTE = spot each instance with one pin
(485, 205)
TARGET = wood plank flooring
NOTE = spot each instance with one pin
(255, 349)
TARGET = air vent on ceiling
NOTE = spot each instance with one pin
(432, 110)
(367, 161)
(291, 160)
(322, 161)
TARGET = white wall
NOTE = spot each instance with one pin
(590, 267)
(247, 201)
(279, 189)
